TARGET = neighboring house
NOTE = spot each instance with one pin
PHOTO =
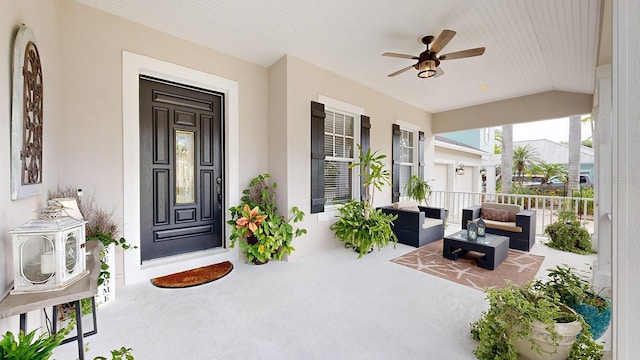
(451, 155)
(473, 149)
(481, 139)
(552, 152)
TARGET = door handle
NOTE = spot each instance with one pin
(219, 190)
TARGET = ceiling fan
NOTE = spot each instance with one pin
(428, 60)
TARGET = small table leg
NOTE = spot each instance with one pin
(79, 330)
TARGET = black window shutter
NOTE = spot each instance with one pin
(395, 170)
(421, 154)
(317, 157)
(365, 143)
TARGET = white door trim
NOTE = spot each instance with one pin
(134, 65)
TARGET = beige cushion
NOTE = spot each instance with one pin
(501, 225)
(431, 222)
(512, 208)
(407, 205)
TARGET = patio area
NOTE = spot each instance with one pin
(325, 306)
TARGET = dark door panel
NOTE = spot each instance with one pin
(181, 169)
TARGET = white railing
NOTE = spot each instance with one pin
(546, 207)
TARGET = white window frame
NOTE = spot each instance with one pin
(412, 128)
(330, 210)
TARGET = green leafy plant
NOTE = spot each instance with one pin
(572, 288)
(262, 233)
(418, 189)
(359, 225)
(567, 234)
(363, 234)
(575, 291)
(29, 346)
(511, 316)
(123, 353)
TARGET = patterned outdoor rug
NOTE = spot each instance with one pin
(193, 277)
(519, 267)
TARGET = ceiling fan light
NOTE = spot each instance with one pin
(427, 69)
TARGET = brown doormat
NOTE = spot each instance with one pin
(194, 277)
(519, 267)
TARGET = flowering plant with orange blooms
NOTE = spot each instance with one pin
(262, 233)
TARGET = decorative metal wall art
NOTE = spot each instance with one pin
(26, 117)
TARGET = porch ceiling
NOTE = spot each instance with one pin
(532, 46)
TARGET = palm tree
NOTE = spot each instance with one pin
(497, 145)
(524, 157)
(507, 157)
(574, 152)
(548, 171)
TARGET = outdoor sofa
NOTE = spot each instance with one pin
(507, 220)
(416, 225)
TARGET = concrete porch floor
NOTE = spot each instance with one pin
(326, 306)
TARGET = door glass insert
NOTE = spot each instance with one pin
(185, 165)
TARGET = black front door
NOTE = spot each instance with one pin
(181, 175)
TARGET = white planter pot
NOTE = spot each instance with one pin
(540, 335)
(107, 291)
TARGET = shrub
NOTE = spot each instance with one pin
(361, 233)
(568, 235)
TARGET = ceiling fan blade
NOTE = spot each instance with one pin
(439, 72)
(401, 71)
(462, 54)
(402, 56)
(442, 40)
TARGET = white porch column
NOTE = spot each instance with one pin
(626, 179)
(604, 159)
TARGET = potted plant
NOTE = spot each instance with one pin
(262, 232)
(567, 234)
(359, 225)
(418, 189)
(576, 292)
(28, 346)
(524, 322)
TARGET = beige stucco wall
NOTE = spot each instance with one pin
(278, 165)
(304, 83)
(92, 45)
(13, 213)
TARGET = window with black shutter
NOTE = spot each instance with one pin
(408, 158)
(333, 148)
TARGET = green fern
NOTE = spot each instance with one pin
(30, 347)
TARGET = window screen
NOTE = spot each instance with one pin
(339, 151)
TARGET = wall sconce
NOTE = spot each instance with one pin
(483, 172)
(460, 170)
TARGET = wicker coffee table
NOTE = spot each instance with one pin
(494, 247)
